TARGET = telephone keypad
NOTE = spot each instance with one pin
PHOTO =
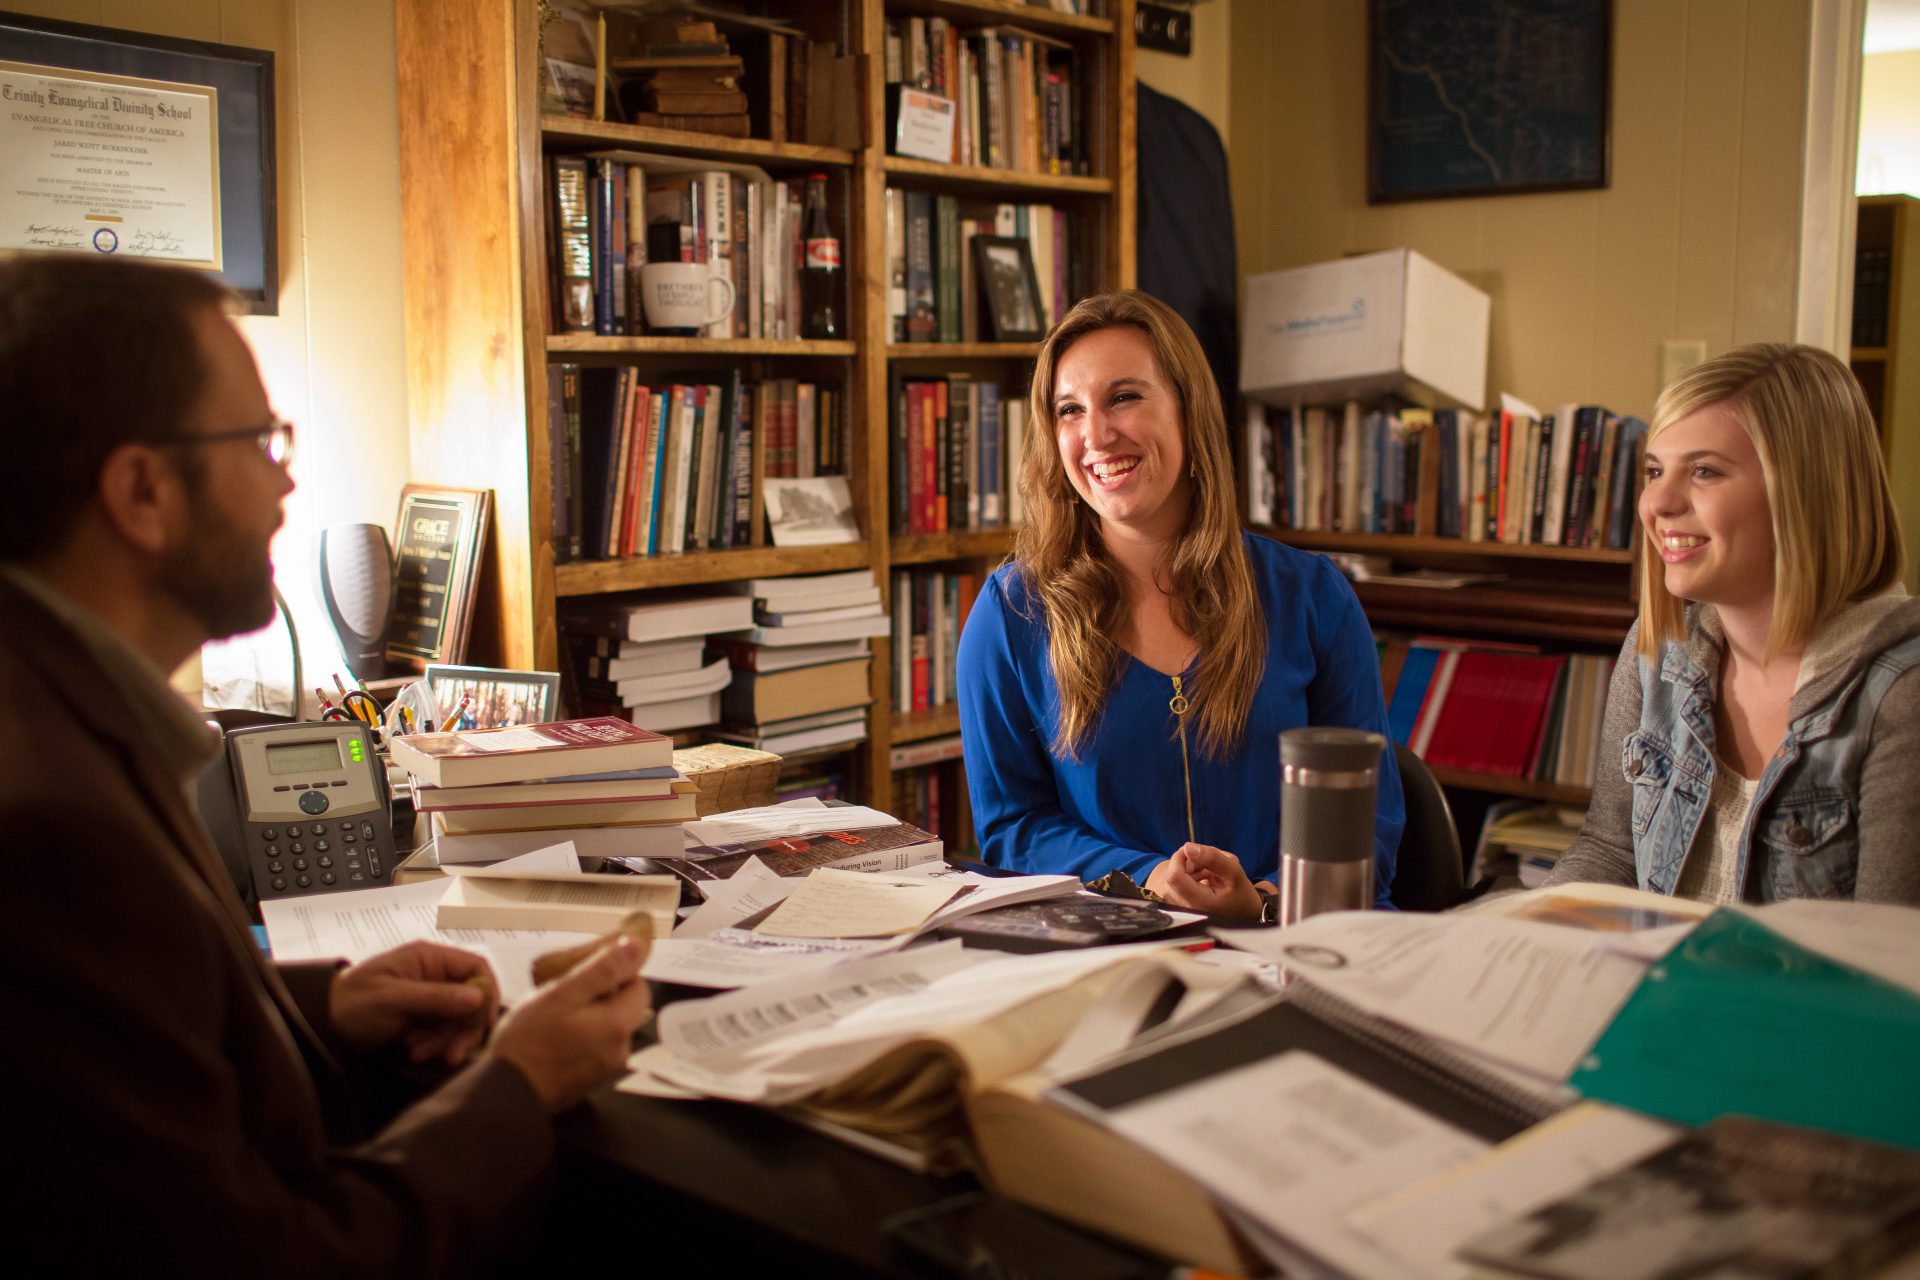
(321, 846)
(305, 882)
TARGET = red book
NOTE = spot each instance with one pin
(523, 753)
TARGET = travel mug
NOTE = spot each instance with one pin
(1327, 785)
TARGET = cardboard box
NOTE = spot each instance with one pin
(1359, 328)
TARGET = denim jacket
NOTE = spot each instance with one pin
(1836, 811)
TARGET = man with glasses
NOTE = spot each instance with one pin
(176, 1101)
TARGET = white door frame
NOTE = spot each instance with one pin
(1823, 304)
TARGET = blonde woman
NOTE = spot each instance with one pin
(1124, 680)
(1767, 702)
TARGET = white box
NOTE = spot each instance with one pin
(1362, 327)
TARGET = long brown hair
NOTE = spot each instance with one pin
(1063, 562)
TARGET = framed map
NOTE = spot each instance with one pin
(1486, 97)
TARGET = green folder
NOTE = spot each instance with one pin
(1738, 1019)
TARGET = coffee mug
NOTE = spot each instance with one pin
(681, 296)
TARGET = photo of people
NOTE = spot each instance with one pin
(486, 698)
(1006, 276)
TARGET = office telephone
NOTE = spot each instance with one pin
(300, 808)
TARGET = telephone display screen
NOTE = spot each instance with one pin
(304, 757)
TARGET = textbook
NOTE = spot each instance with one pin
(630, 784)
(891, 848)
(650, 810)
(528, 752)
(643, 841)
(573, 904)
(1113, 1149)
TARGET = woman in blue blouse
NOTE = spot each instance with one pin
(1125, 678)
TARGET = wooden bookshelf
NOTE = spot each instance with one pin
(473, 138)
(1007, 181)
(918, 726)
(569, 344)
(1430, 550)
(1889, 373)
(1522, 788)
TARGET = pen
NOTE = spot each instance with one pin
(326, 703)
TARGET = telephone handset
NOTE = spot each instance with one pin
(312, 812)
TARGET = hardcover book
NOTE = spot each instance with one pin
(522, 753)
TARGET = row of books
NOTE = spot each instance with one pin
(934, 293)
(1020, 99)
(643, 470)
(929, 608)
(933, 797)
(1872, 295)
(956, 453)
(613, 212)
(1568, 478)
(1512, 711)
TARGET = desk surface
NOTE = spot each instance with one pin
(730, 1189)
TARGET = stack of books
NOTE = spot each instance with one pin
(801, 677)
(685, 77)
(647, 661)
(606, 785)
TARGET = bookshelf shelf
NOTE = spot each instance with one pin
(573, 131)
(1411, 547)
(1522, 788)
(593, 343)
(931, 548)
(976, 178)
(976, 13)
(918, 726)
(962, 350)
(696, 568)
(474, 149)
(1868, 353)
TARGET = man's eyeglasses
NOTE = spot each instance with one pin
(275, 439)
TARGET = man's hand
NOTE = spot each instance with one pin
(576, 1031)
(438, 1000)
(1200, 877)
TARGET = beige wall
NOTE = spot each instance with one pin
(1202, 79)
(333, 358)
(1696, 237)
(1890, 124)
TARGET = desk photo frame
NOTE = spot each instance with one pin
(1010, 289)
(243, 82)
(495, 698)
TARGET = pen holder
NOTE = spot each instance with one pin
(1328, 781)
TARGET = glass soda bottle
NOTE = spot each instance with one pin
(820, 266)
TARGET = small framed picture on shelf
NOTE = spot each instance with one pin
(490, 697)
(811, 512)
(1010, 288)
(438, 540)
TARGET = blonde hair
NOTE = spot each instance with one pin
(1061, 559)
(1836, 532)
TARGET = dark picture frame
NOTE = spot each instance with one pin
(244, 79)
(1009, 289)
(1487, 97)
(439, 541)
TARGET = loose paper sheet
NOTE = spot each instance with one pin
(1877, 937)
(1532, 996)
(731, 957)
(748, 891)
(364, 922)
(855, 904)
(1296, 1143)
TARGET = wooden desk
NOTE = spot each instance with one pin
(716, 1188)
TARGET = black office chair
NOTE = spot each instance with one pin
(1429, 874)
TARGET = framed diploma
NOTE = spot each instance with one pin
(116, 142)
(438, 541)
